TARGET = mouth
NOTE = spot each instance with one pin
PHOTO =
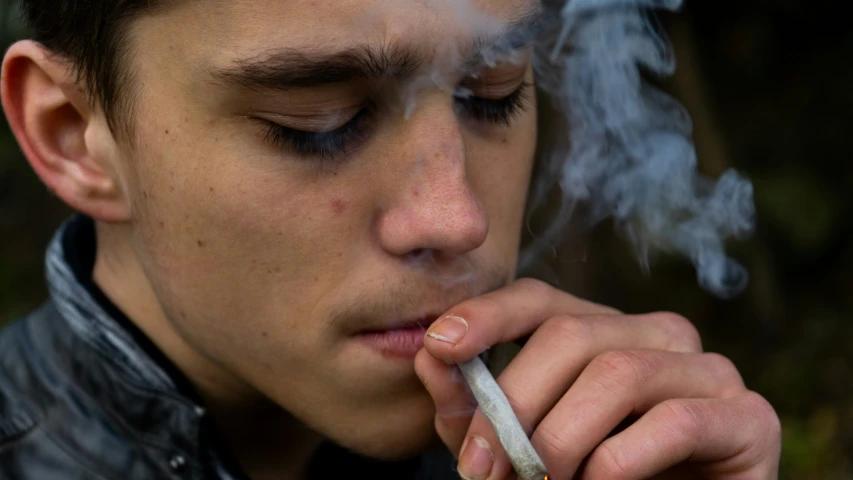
(401, 340)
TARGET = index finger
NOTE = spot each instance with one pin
(517, 310)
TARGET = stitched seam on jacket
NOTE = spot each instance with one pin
(15, 426)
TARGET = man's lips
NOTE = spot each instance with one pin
(400, 340)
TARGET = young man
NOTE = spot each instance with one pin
(273, 208)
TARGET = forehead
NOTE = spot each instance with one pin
(223, 30)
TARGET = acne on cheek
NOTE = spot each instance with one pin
(338, 206)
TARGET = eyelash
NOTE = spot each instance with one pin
(322, 145)
(336, 143)
(499, 112)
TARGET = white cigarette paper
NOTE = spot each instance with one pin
(497, 409)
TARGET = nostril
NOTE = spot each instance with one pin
(419, 255)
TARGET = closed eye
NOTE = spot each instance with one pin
(341, 142)
(501, 111)
(323, 145)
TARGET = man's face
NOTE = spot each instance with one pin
(284, 205)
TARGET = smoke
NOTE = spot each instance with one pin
(623, 148)
(626, 151)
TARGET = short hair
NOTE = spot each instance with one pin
(91, 36)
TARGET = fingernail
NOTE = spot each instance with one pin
(476, 459)
(450, 329)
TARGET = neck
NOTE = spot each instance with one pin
(267, 441)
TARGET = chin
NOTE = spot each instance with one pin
(400, 435)
(393, 448)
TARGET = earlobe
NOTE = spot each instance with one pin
(53, 123)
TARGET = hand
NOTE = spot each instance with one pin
(586, 370)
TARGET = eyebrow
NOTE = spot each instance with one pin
(291, 68)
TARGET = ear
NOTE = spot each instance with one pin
(66, 141)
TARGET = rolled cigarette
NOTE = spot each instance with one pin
(497, 409)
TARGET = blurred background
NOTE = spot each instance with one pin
(769, 85)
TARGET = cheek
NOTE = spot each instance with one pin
(223, 239)
(500, 172)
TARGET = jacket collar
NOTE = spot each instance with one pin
(129, 376)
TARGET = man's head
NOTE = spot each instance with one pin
(275, 180)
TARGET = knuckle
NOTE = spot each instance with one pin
(568, 330)
(557, 443)
(683, 418)
(607, 460)
(537, 288)
(726, 373)
(762, 444)
(680, 332)
(761, 410)
(622, 370)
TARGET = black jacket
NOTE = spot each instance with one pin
(85, 395)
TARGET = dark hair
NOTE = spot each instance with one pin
(91, 36)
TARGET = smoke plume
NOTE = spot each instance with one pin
(626, 152)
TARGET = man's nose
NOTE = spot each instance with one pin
(435, 207)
